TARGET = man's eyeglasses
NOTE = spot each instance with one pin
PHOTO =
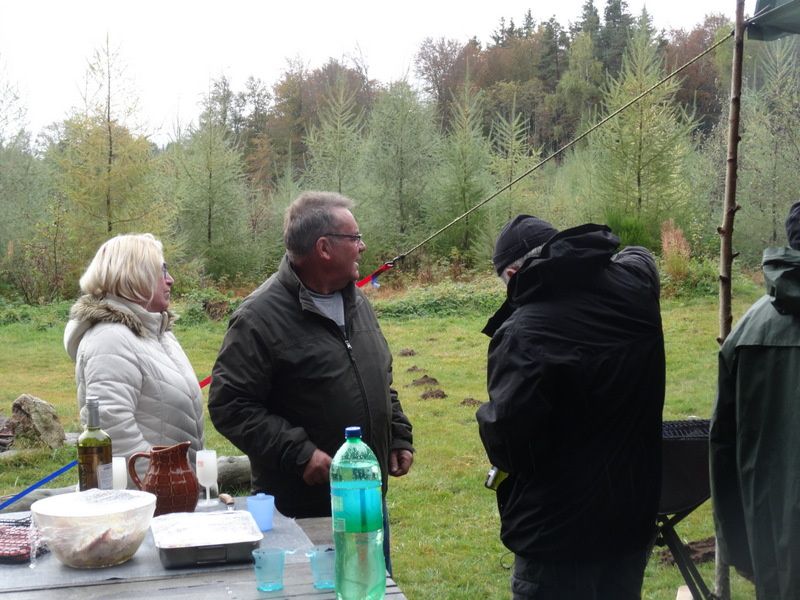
(353, 237)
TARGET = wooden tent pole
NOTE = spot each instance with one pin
(726, 254)
(730, 206)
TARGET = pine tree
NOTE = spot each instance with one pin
(614, 35)
(579, 90)
(512, 156)
(102, 166)
(463, 178)
(401, 154)
(770, 154)
(211, 196)
(641, 153)
(590, 20)
(334, 145)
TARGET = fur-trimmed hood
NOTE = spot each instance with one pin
(128, 358)
(90, 310)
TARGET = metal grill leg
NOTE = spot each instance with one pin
(690, 573)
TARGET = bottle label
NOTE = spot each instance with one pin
(105, 476)
(356, 509)
(94, 470)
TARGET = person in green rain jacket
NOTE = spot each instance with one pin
(755, 452)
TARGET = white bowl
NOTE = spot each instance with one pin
(95, 528)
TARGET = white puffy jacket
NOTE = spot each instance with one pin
(130, 360)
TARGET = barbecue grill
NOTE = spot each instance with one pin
(684, 487)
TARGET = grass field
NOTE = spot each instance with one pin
(444, 523)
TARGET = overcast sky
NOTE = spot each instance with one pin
(172, 49)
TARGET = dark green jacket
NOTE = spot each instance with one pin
(755, 435)
(287, 381)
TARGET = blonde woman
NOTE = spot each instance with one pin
(119, 335)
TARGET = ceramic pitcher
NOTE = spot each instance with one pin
(169, 477)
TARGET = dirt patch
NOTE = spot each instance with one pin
(413, 369)
(700, 551)
(425, 380)
(433, 394)
(407, 352)
(470, 402)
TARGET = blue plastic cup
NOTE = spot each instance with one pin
(268, 565)
(323, 560)
(262, 507)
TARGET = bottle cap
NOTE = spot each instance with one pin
(351, 432)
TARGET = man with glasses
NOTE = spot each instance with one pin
(304, 358)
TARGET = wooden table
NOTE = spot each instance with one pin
(238, 583)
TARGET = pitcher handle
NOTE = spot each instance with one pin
(132, 468)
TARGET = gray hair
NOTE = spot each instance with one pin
(309, 217)
(534, 252)
(127, 266)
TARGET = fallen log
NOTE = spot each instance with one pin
(233, 473)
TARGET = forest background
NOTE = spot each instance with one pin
(414, 157)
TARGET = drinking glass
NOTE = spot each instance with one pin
(207, 474)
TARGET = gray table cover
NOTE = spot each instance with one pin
(47, 570)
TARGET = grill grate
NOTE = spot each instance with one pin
(690, 429)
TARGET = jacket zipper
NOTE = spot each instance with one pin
(349, 347)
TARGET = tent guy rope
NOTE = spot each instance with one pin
(389, 264)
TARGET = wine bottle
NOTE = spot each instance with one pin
(94, 452)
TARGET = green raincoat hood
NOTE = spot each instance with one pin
(781, 268)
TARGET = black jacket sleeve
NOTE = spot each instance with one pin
(239, 401)
(515, 425)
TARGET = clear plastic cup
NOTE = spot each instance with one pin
(323, 560)
(268, 567)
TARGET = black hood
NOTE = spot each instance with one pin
(567, 261)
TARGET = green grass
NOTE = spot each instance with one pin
(444, 522)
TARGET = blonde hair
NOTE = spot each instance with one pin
(127, 266)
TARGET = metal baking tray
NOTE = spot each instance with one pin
(194, 539)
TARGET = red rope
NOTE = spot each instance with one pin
(372, 277)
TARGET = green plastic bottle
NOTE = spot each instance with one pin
(357, 515)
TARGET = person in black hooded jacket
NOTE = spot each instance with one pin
(576, 390)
